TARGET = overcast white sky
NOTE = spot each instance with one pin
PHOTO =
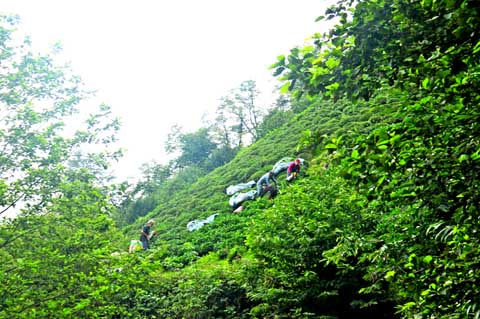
(157, 63)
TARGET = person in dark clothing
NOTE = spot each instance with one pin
(293, 169)
(145, 234)
(272, 190)
(266, 179)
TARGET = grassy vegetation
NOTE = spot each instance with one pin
(206, 195)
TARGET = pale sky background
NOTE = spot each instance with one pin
(157, 63)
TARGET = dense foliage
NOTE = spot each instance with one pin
(383, 221)
(51, 183)
(418, 173)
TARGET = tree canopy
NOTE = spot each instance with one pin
(51, 186)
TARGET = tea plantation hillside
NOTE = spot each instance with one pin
(383, 221)
(223, 254)
(207, 195)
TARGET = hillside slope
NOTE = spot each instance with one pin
(235, 258)
(206, 196)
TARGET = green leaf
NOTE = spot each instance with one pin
(389, 274)
(355, 154)
(425, 292)
(285, 88)
(463, 158)
(333, 86)
(427, 259)
(380, 180)
(425, 83)
(476, 49)
(332, 63)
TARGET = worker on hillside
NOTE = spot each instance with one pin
(145, 234)
(293, 169)
(266, 179)
(272, 190)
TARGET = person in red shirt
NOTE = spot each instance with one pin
(293, 169)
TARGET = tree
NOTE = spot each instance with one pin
(239, 115)
(419, 173)
(136, 200)
(153, 176)
(52, 185)
(248, 113)
(61, 253)
(222, 127)
(37, 100)
(193, 148)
